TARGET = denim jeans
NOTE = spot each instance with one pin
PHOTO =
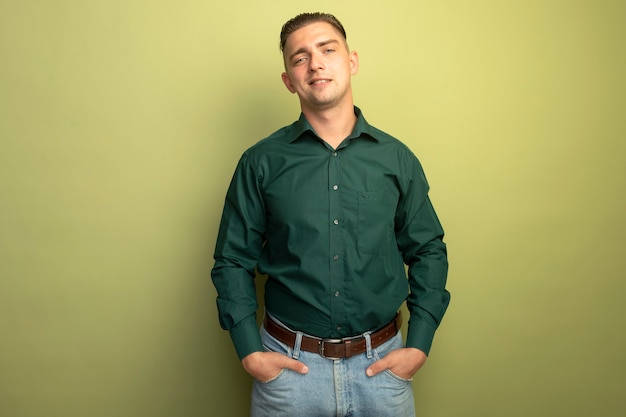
(332, 387)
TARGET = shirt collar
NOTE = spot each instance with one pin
(361, 128)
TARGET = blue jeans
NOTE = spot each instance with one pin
(332, 387)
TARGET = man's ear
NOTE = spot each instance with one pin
(354, 62)
(287, 82)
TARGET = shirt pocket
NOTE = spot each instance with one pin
(376, 222)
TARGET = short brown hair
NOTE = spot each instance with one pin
(305, 19)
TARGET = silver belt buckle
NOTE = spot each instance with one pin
(323, 342)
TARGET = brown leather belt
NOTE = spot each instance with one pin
(334, 348)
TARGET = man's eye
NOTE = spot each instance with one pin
(299, 60)
(328, 51)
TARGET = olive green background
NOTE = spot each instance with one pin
(121, 123)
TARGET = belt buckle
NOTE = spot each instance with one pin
(321, 347)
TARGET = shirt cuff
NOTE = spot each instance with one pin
(246, 338)
(420, 335)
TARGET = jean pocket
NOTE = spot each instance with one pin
(275, 378)
(386, 348)
(398, 378)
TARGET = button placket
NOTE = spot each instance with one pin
(336, 245)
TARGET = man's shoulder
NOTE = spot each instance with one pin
(276, 139)
(381, 135)
(387, 139)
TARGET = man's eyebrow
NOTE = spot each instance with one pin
(318, 45)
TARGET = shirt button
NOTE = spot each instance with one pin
(338, 327)
(336, 293)
(335, 187)
(336, 221)
(335, 257)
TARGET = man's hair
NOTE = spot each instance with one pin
(305, 19)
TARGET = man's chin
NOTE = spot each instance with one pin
(322, 103)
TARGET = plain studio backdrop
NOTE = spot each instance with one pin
(120, 126)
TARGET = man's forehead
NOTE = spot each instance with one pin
(313, 32)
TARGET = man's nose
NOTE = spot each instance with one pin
(316, 62)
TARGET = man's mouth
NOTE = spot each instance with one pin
(319, 81)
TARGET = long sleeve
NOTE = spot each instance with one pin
(239, 243)
(420, 238)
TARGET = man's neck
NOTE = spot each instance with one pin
(332, 125)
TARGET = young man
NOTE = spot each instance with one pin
(331, 209)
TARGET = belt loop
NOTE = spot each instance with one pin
(368, 345)
(296, 346)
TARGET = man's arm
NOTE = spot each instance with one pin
(238, 247)
(420, 238)
(425, 254)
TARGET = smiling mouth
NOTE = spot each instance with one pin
(318, 82)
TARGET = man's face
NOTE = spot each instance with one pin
(318, 66)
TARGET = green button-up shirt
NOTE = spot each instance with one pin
(332, 229)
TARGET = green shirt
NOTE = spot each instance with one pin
(332, 230)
